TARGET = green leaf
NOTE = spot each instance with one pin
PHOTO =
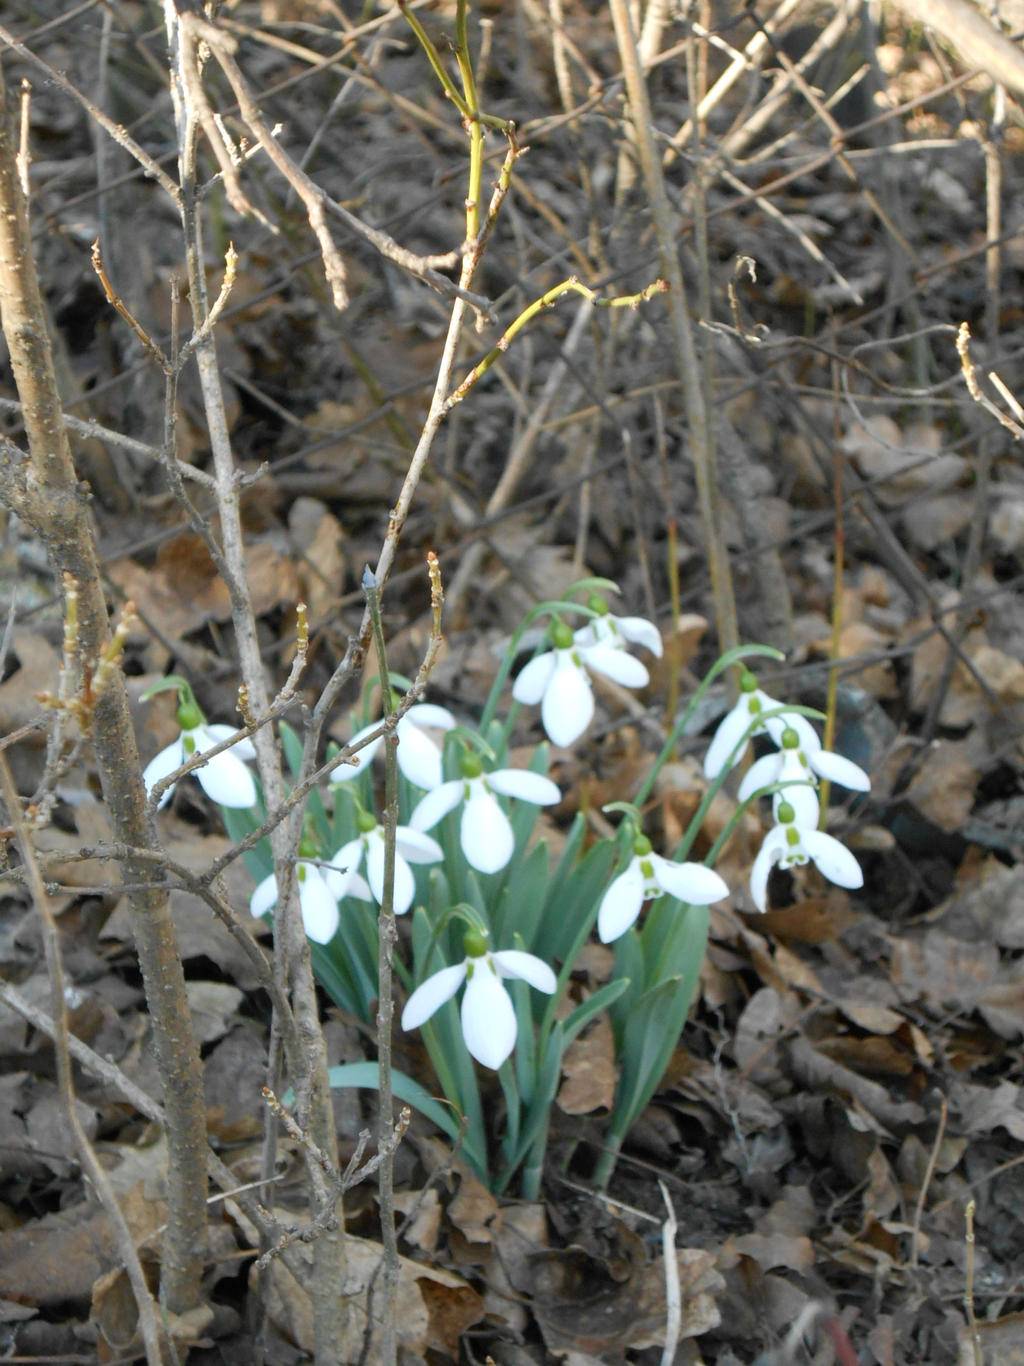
(366, 1076)
(240, 822)
(605, 996)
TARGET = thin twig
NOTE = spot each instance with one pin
(387, 935)
(673, 1297)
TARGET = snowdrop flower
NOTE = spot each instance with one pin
(558, 680)
(411, 846)
(606, 629)
(485, 832)
(648, 877)
(737, 722)
(796, 763)
(792, 844)
(418, 757)
(317, 902)
(225, 778)
(488, 1016)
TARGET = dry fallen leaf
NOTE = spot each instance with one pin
(589, 1071)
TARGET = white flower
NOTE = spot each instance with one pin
(488, 1015)
(418, 757)
(316, 901)
(791, 845)
(647, 877)
(796, 763)
(606, 629)
(752, 704)
(485, 832)
(558, 680)
(411, 846)
(225, 777)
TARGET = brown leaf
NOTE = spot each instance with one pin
(588, 1067)
(944, 786)
(770, 1250)
(423, 1320)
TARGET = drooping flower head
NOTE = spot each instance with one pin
(318, 902)
(799, 766)
(558, 680)
(418, 757)
(791, 844)
(485, 832)
(745, 719)
(224, 778)
(489, 1023)
(411, 846)
(607, 629)
(647, 877)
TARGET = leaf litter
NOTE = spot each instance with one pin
(851, 1076)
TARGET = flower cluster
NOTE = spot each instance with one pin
(465, 789)
(791, 773)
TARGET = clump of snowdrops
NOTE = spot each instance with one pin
(497, 925)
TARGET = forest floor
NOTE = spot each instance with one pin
(848, 1090)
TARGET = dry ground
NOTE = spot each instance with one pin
(851, 1077)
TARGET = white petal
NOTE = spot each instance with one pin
(161, 765)
(532, 682)
(761, 773)
(774, 844)
(833, 859)
(345, 772)
(804, 800)
(431, 995)
(227, 780)
(242, 749)
(617, 664)
(641, 632)
(516, 963)
(405, 886)
(568, 703)
(527, 786)
(485, 834)
(344, 866)
(356, 885)
(839, 770)
(436, 805)
(488, 1016)
(319, 908)
(621, 903)
(690, 882)
(728, 735)
(790, 720)
(416, 846)
(599, 631)
(264, 898)
(430, 715)
(418, 757)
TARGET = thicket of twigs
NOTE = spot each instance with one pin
(257, 342)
